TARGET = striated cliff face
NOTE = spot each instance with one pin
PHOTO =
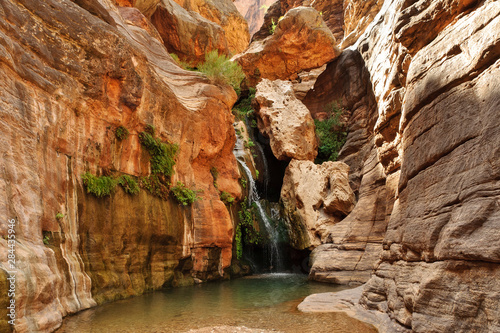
(419, 82)
(72, 72)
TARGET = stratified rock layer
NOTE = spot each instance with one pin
(286, 121)
(314, 198)
(301, 41)
(70, 76)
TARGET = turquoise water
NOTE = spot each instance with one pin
(266, 301)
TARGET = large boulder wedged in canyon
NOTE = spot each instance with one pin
(225, 14)
(188, 34)
(286, 121)
(314, 198)
(301, 41)
(68, 81)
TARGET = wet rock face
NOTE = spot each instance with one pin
(187, 34)
(69, 80)
(315, 197)
(286, 121)
(301, 41)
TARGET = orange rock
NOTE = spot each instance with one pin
(301, 41)
(225, 14)
(187, 34)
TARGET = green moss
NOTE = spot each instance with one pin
(184, 195)
(98, 186)
(243, 182)
(121, 133)
(245, 230)
(129, 184)
(332, 134)
(226, 198)
(162, 154)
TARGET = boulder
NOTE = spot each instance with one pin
(286, 121)
(315, 197)
(301, 41)
(187, 34)
(225, 14)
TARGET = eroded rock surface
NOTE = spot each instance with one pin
(315, 197)
(301, 41)
(187, 34)
(286, 121)
(253, 12)
(68, 81)
(225, 14)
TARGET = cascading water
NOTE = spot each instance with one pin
(274, 256)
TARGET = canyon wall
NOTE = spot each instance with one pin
(72, 73)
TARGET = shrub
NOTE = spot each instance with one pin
(184, 195)
(226, 198)
(221, 70)
(181, 63)
(121, 133)
(129, 184)
(244, 107)
(332, 134)
(162, 154)
(249, 144)
(99, 186)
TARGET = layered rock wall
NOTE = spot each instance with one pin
(69, 80)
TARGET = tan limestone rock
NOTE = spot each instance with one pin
(315, 197)
(187, 33)
(301, 41)
(225, 14)
(286, 121)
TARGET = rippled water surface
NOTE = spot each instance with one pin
(266, 301)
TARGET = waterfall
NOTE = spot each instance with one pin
(273, 251)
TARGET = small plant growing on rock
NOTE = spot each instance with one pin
(221, 70)
(215, 175)
(226, 198)
(162, 154)
(243, 182)
(98, 186)
(332, 134)
(184, 195)
(121, 133)
(46, 240)
(245, 230)
(59, 216)
(129, 184)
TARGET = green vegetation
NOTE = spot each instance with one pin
(184, 195)
(332, 134)
(121, 133)
(105, 185)
(162, 154)
(243, 182)
(245, 230)
(273, 26)
(59, 216)
(256, 174)
(181, 63)
(244, 107)
(99, 186)
(46, 240)
(249, 144)
(226, 198)
(129, 184)
(156, 185)
(150, 129)
(221, 70)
